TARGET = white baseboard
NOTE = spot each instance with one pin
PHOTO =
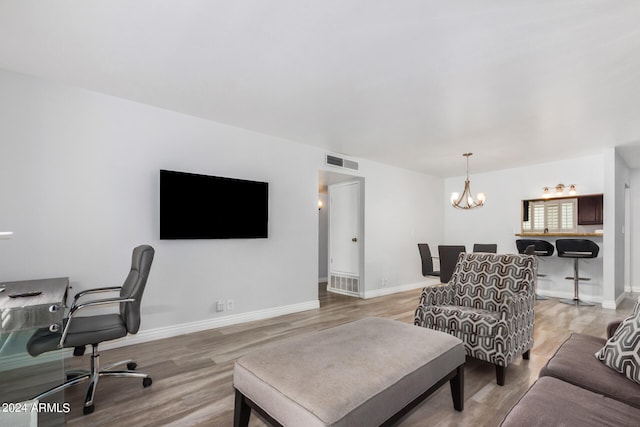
(22, 360)
(402, 288)
(612, 305)
(203, 325)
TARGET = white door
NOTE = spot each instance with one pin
(344, 238)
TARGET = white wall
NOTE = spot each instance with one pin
(79, 182)
(499, 220)
(617, 177)
(634, 229)
(323, 241)
(402, 208)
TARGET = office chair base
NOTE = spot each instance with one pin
(78, 376)
(577, 302)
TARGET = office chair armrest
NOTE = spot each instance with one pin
(94, 291)
(94, 303)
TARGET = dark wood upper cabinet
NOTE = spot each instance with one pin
(590, 209)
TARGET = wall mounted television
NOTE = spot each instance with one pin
(196, 206)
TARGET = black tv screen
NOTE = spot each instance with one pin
(196, 206)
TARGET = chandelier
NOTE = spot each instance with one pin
(465, 200)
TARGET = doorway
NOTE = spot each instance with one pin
(341, 238)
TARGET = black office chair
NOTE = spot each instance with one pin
(78, 332)
(490, 248)
(536, 247)
(448, 259)
(427, 260)
(576, 249)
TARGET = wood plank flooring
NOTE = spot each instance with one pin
(192, 374)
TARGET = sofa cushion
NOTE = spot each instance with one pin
(551, 402)
(573, 362)
(622, 351)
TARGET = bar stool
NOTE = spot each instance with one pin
(535, 247)
(576, 249)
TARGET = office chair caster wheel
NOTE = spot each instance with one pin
(132, 366)
(146, 382)
(88, 409)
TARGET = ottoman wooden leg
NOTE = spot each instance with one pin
(457, 388)
(241, 411)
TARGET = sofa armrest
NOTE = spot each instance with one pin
(611, 328)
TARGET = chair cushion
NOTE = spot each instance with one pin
(574, 363)
(622, 351)
(83, 331)
(465, 320)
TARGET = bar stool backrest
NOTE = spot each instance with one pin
(572, 248)
(542, 247)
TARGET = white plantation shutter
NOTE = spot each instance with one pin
(553, 216)
(568, 214)
(552, 211)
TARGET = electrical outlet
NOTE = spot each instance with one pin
(219, 306)
(230, 304)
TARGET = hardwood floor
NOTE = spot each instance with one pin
(192, 374)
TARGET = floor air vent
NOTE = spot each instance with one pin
(340, 162)
(344, 284)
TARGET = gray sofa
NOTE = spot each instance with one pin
(576, 389)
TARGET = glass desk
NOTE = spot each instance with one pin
(26, 306)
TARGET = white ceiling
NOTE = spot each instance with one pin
(409, 83)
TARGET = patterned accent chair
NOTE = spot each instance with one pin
(488, 304)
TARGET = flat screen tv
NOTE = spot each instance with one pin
(196, 206)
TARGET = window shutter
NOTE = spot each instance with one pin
(553, 216)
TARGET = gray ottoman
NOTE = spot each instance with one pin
(365, 373)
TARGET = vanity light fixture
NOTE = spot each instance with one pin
(559, 191)
(465, 200)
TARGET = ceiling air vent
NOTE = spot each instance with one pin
(340, 162)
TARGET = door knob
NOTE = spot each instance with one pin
(355, 239)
